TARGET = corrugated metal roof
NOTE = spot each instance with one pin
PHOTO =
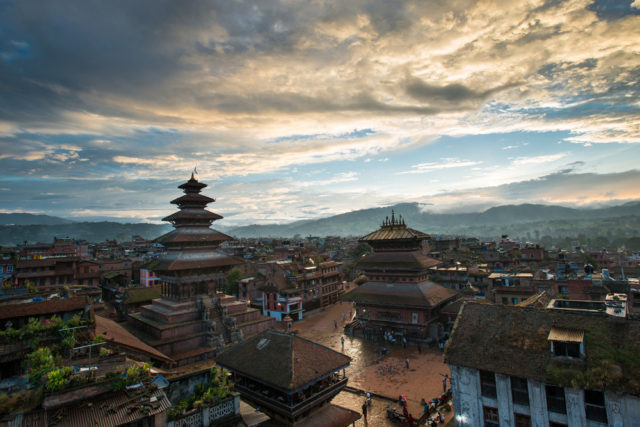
(569, 335)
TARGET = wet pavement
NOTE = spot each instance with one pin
(387, 377)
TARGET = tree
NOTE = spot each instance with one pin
(233, 277)
(362, 249)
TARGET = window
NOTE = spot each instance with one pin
(9, 268)
(514, 301)
(522, 420)
(488, 384)
(594, 406)
(519, 391)
(505, 301)
(490, 416)
(563, 290)
(555, 399)
(567, 349)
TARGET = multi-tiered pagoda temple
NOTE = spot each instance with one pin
(192, 320)
(398, 296)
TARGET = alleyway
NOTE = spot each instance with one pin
(388, 377)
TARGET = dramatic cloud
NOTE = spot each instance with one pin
(369, 95)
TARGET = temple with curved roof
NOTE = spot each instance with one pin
(398, 296)
(193, 320)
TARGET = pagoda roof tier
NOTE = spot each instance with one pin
(192, 199)
(395, 232)
(397, 261)
(188, 215)
(282, 360)
(191, 260)
(394, 229)
(426, 294)
(193, 185)
(195, 234)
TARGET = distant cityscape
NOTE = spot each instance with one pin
(196, 327)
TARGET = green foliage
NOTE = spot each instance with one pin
(59, 378)
(68, 342)
(98, 339)
(75, 321)
(211, 393)
(606, 365)
(361, 249)
(31, 287)
(233, 277)
(136, 374)
(39, 363)
(104, 352)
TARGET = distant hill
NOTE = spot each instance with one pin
(510, 219)
(31, 219)
(529, 221)
(90, 231)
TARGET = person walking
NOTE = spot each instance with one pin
(335, 324)
(342, 341)
(364, 411)
(406, 362)
(444, 383)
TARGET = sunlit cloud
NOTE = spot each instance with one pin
(443, 164)
(282, 89)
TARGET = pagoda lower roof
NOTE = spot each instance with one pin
(192, 260)
(426, 294)
(189, 234)
(411, 261)
(285, 361)
(192, 198)
(193, 213)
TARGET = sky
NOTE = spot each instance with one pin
(295, 110)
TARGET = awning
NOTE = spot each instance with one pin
(568, 335)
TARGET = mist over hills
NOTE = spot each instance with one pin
(90, 231)
(530, 221)
(510, 219)
(31, 219)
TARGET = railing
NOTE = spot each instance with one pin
(208, 415)
(291, 410)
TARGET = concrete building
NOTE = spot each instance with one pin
(567, 365)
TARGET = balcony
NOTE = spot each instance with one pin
(279, 405)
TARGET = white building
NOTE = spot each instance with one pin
(523, 366)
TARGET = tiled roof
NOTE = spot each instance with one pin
(424, 295)
(397, 261)
(192, 214)
(285, 361)
(562, 334)
(115, 333)
(193, 234)
(189, 260)
(513, 340)
(9, 311)
(395, 232)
